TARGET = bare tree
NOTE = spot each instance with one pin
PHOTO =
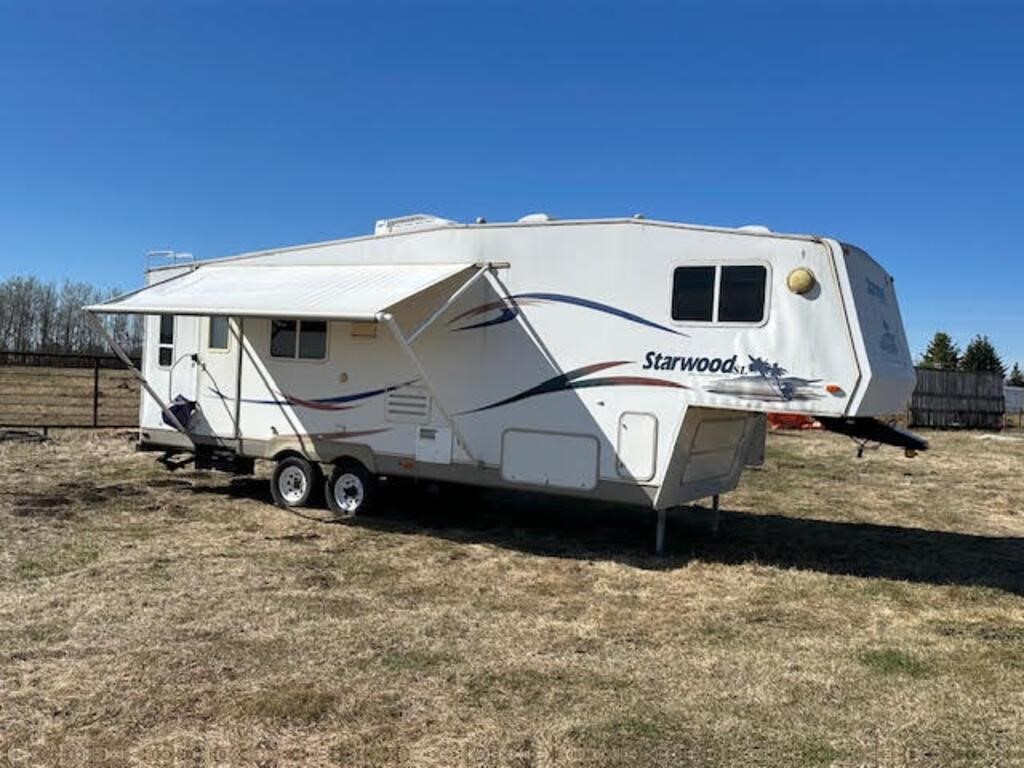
(38, 316)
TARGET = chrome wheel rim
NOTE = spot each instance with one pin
(291, 484)
(348, 492)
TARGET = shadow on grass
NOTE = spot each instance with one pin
(570, 528)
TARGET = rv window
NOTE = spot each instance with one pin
(313, 339)
(165, 347)
(693, 293)
(741, 294)
(282, 338)
(304, 339)
(166, 329)
(218, 338)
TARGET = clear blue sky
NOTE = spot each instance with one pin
(217, 128)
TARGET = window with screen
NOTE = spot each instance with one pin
(218, 337)
(693, 293)
(741, 294)
(299, 339)
(165, 347)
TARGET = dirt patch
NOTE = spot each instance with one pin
(68, 496)
(118, 490)
(21, 436)
(52, 506)
(169, 482)
(295, 537)
(88, 493)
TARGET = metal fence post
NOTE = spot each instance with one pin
(96, 391)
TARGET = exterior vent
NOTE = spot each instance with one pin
(758, 229)
(409, 405)
(410, 224)
(536, 218)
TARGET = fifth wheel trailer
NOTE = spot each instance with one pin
(617, 359)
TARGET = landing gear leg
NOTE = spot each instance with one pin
(659, 533)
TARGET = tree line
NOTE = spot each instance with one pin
(980, 355)
(38, 316)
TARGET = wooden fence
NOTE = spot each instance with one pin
(957, 400)
(1014, 407)
(52, 389)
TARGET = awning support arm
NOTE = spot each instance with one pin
(387, 319)
(451, 300)
(91, 318)
(501, 288)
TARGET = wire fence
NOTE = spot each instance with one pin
(60, 389)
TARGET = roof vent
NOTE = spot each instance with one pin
(410, 224)
(757, 229)
(536, 218)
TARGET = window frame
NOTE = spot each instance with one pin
(714, 322)
(714, 293)
(718, 293)
(294, 357)
(209, 328)
(160, 345)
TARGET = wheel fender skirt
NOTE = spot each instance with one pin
(873, 430)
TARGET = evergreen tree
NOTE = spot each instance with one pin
(941, 353)
(1016, 377)
(980, 355)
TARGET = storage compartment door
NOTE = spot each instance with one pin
(549, 459)
(434, 445)
(637, 446)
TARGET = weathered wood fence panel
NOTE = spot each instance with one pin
(1014, 406)
(65, 390)
(957, 400)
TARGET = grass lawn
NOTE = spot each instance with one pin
(851, 612)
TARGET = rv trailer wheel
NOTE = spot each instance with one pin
(350, 489)
(295, 482)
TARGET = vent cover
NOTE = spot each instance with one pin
(410, 224)
(409, 405)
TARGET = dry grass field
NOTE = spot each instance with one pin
(850, 613)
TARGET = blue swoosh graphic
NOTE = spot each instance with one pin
(510, 312)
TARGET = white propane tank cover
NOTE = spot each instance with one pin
(410, 223)
(536, 218)
(759, 229)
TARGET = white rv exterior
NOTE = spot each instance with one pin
(621, 359)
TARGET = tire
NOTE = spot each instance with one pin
(296, 482)
(350, 490)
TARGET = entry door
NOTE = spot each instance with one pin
(182, 379)
(218, 375)
(637, 446)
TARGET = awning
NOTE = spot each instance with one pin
(339, 292)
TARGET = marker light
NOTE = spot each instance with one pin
(834, 389)
(800, 280)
